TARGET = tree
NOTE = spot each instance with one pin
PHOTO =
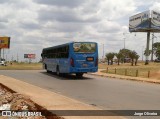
(157, 53)
(145, 52)
(156, 48)
(112, 56)
(132, 55)
(125, 53)
(136, 58)
(109, 57)
(119, 56)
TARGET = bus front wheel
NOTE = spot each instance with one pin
(79, 75)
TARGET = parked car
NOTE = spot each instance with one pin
(2, 63)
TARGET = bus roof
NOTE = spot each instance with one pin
(65, 45)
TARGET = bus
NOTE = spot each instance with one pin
(69, 58)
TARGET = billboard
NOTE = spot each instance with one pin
(4, 42)
(139, 22)
(30, 56)
(155, 20)
(144, 22)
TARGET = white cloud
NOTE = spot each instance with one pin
(35, 24)
(156, 6)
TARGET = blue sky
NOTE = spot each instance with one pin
(36, 24)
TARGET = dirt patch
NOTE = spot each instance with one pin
(155, 75)
(10, 100)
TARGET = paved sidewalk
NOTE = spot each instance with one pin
(149, 80)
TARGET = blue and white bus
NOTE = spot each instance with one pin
(73, 57)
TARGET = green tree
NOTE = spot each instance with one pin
(112, 56)
(156, 48)
(145, 52)
(109, 57)
(125, 54)
(132, 55)
(119, 56)
(136, 59)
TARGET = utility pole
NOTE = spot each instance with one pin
(12, 58)
(17, 57)
(0, 54)
(103, 52)
(124, 40)
(6, 58)
(124, 44)
(3, 54)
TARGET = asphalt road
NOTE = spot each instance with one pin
(102, 92)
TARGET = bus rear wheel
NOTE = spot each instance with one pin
(57, 71)
(79, 75)
(47, 69)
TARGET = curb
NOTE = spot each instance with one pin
(127, 78)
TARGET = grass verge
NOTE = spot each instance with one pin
(147, 71)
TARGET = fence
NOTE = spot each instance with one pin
(129, 72)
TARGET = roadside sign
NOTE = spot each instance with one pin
(30, 56)
(4, 42)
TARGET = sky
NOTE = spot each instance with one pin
(37, 24)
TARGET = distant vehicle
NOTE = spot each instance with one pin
(157, 60)
(74, 57)
(2, 63)
(127, 60)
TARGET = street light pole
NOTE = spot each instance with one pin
(103, 51)
(124, 39)
(124, 43)
(0, 54)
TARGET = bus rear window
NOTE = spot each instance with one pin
(84, 47)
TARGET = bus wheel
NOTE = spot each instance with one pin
(46, 69)
(57, 71)
(45, 66)
(79, 75)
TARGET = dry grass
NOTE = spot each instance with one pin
(126, 69)
(22, 66)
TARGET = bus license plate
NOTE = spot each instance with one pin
(85, 65)
(90, 59)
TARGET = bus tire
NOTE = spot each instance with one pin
(57, 71)
(45, 66)
(79, 75)
(46, 69)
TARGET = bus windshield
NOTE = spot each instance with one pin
(84, 47)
